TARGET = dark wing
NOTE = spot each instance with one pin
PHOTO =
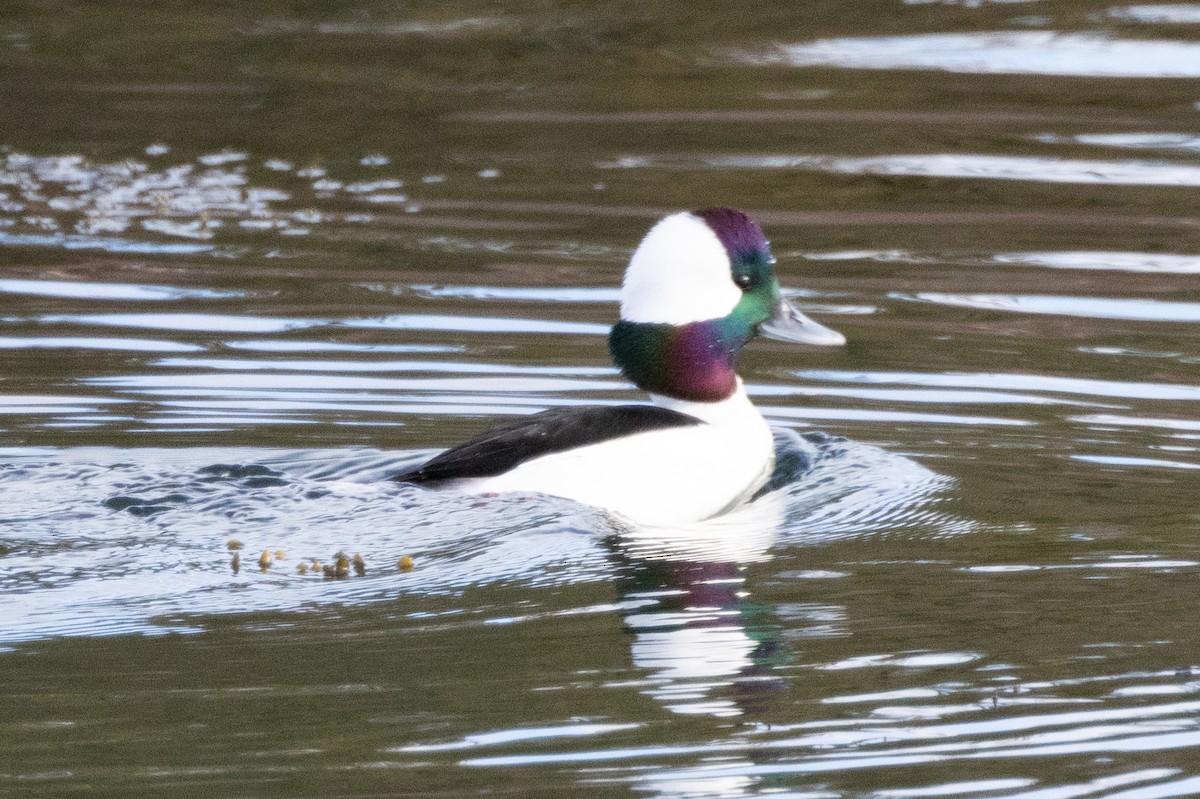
(507, 446)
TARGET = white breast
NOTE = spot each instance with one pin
(664, 477)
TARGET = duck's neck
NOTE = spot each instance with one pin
(736, 409)
(693, 363)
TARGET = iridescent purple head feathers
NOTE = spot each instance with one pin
(741, 235)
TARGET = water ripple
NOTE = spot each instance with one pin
(88, 290)
(1182, 142)
(999, 52)
(94, 343)
(1028, 382)
(458, 367)
(1173, 14)
(478, 324)
(1092, 307)
(1134, 262)
(71, 241)
(198, 322)
(1041, 169)
(146, 546)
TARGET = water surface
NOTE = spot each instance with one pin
(256, 259)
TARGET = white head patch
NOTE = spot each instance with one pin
(680, 273)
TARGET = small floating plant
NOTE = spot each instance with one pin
(339, 569)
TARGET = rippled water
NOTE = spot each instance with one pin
(254, 259)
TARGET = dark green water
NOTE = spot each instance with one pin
(254, 257)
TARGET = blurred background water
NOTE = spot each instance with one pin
(256, 256)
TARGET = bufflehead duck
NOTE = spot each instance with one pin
(699, 286)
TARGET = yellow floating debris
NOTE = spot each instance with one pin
(233, 545)
(264, 560)
(360, 567)
(405, 564)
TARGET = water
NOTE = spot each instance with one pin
(256, 259)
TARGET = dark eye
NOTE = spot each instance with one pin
(743, 281)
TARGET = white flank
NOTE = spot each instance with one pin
(664, 477)
(680, 273)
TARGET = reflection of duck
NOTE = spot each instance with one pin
(709, 649)
(698, 288)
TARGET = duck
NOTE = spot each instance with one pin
(698, 288)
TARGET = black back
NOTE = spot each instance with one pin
(507, 446)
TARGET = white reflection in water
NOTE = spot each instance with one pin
(235, 364)
(1140, 729)
(222, 157)
(966, 3)
(1133, 262)
(1102, 786)
(1173, 14)
(889, 416)
(883, 696)
(94, 343)
(218, 382)
(936, 396)
(1185, 142)
(70, 241)
(30, 404)
(270, 345)
(912, 661)
(478, 324)
(692, 622)
(501, 737)
(1115, 261)
(198, 322)
(1139, 562)
(669, 784)
(406, 28)
(91, 197)
(1092, 307)
(954, 788)
(588, 295)
(195, 421)
(228, 323)
(723, 787)
(1126, 460)
(87, 290)
(1108, 419)
(1028, 382)
(998, 52)
(1040, 169)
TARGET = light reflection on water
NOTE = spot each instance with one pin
(274, 259)
(108, 291)
(1172, 14)
(1168, 263)
(1018, 52)
(701, 636)
(952, 165)
(1131, 141)
(1093, 307)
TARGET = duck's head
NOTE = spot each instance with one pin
(699, 286)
